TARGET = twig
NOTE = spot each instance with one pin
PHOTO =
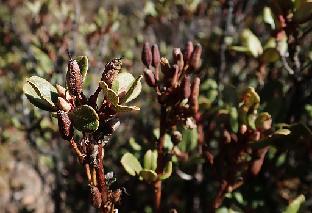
(160, 158)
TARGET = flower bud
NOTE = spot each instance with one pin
(149, 77)
(62, 92)
(96, 198)
(65, 126)
(146, 55)
(178, 58)
(62, 104)
(187, 53)
(194, 95)
(74, 78)
(116, 196)
(156, 56)
(186, 85)
(195, 60)
(111, 71)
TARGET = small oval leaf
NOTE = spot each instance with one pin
(35, 98)
(167, 171)
(109, 93)
(131, 164)
(150, 160)
(133, 91)
(148, 175)
(122, 82)
(294, 206)
(85, 118)
(43, 88)
(120, 108)
(83, 65)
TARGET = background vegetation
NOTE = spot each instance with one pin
(244, 44)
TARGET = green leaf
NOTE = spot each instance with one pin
(85, 118)
(120, 108)
(134, 145)
(239, 49)
(252, 43)
(133, 91)
(83, 65)
(131, 164)
(270, 55)
(44, 89)
(109, 93)
(35, 98)
(125, 82)
(150, 160)
(167, 171)
(233, 119)
(268, 17)
(303, 11)
(189, 140)
(250, 100)
(287, 137)
(294, 206)
(282, 132)
(148, 175)
(122, 82)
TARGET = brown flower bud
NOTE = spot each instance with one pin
(149, 77)
(74, 78)
(65, 126)
(187, 53)
(156, 56)
(178, 58)
(95, 196)
(116, 196)
(63, 93)
(111, 71)
(62, 104)
(194, 95)
(176, 137)
(146, 55)
(165, 66)
(186, 86)
(195, 60)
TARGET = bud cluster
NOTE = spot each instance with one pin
(176, 82)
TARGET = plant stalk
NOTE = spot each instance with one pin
(160, 158)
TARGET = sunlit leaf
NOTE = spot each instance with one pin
(84, 118)
(294, 206)
(131, 164)
(167, 171)
(148, 175)
(150, 160)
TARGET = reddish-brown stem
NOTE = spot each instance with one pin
(101, 177)
(76, 150)
(160, 158)
(220, 195)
